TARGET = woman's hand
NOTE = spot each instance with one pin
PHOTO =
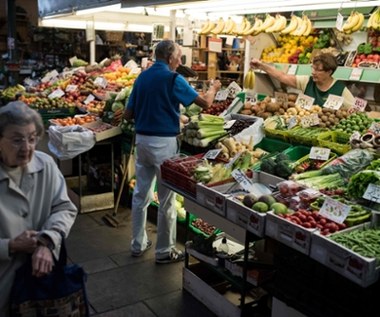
(255, 63)
(42, 261)
(25, 242)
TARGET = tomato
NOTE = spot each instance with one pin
(313, 224)
(302, 217)
(322, 221)
(306, 225)
(325, 231)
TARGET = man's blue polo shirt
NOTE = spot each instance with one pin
(155, 98)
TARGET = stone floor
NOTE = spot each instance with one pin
(119, 285)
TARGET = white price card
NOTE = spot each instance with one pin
(243, 180)
(304, 101)
(339, 21)
(356, 74)
(359, 105)
(281, 98)
(215, 45)
(333, 102)
(101, 82)
(233, 89)
(50, 76)
(319, 153)
(334, 210)
(233, 160)
(372, 193)
(58, 93)
(89, 98)
(71, 88)
(222, 95)
(228, 124)
(292, 122)
(212, 154)
(374, 127)
(292, 70)
(309, 121)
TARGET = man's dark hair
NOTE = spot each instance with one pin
(165, 49)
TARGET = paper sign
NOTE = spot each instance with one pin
(221, 95)
(319, 153)
(212, 154)
(359, 105)
(309, 121)
(305, 102)
(72, 60)
(356, 74)
(233, 89)
(334, 210)
(292, 122)
(281, 98)
(230, 40)
(58, 93)
(233, 160)
(49, 76)
(243, 180)
(215, 45)
(339, 21)
(228, 124)
(89, 99)
(101, 82)
(292, 70)
(70, 88)
(375, 127)
(333, 102)
(372, 193)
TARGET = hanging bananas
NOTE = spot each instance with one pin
(255, 28)
(292, 26)
(374, 20)
(249, 80)
(229, 26)
(354, 22)
(219, 27)
(207, 27)
(278, 25)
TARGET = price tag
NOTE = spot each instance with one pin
(49, 76)
(222, 95)
(355, 136)
(89, 98)
(334, 210)
(281, 97)
(333, 102)
(356, 74)
(375, 127)
(58, 93)
(372, 193)
(339, 21)
(230, 40)
(233, 89)
(309, 121)
(304, 101)
(292, 70)
(319, 153)
(292, 122)
(229, 124)
(233, 160)
(212, 154)
(72, 60)
(71, 88)
(243, 180)
(215, 45)
(359, 106)
(101, 82)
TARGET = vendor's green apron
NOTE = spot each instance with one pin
(321, 96)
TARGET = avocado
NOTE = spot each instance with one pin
(249, 200)
(268, 199)
(260, 207)
(279, 208)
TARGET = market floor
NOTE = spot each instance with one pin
(119, 285)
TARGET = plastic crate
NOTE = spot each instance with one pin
(278, 134)
(297, 152)
(335, 140)
(305, 136)
(272, 145)
(306, 158)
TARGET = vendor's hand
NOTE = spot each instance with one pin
(217, 84)
(25, 242)
(42, 261)
(255, 63)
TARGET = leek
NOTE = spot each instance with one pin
(210, 118)
(204, 133)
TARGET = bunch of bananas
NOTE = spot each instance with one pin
(354, 22)
(374, 20)
(298, 26)
(11, 92)
(249, 80)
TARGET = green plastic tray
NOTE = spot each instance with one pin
(272, 145)
(297, 152)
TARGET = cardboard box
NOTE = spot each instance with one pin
(359, 269)
(288, 233)
(103, 130)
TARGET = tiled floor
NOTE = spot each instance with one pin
(119, 285)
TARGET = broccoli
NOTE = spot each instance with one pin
(284, 169)
(268, 165)
(281, 157)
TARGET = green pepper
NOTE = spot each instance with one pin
(352, 221)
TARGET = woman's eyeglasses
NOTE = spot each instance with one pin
(18, 142)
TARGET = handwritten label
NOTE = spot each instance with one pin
(215, 45)
(356, 74)
(292, 122)
(89, 98)
(233, 89)
(309, 121)
(233, 160)
(359, 105)
(292, 70)
(374, 127)
(372, 193)
(243, 180)
(281, 98)
(71, 88)
(334, 210)
(49, 76)
(101, 82)
(339, 21)
(222, 95)
(319, 153)
(304, 101)
(212, 154)
(229, 124)
(333, 102)
(58, 93)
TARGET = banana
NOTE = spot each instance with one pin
(376, 20)
(239, 29)
(255, 28)
(249, 80)
(291, 26)
(268, 22)
(219, 27)
(301, 26)
(309, 28)
(279, 24)
(370, 19)
(351, 21)
(228, 26)
(359, 25)
(207, 27)
(247, 27)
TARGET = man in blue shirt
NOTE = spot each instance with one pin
(154, 104)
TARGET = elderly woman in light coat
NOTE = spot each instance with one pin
(35, 210)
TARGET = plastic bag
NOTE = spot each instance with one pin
(67, 142)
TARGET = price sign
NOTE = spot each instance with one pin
(243, 180)
(292, 122)
(281, 98)
(305, 102)
(233, 89)
(334, 210)
(101, 82)
(309, 121)
(222, 95)
(375, 127)
(339, 21)
(58, 93)
(49, 76)
(319, 153)
(359, 106)
(215, 45)
(355, 136)
(233, 160)
(212, 154)
(89, 98)
(292, 70)
(372, 193)
(229, 124)
(356, 74)
(71, 88)
(333, 102)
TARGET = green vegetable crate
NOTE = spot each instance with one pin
(335, 140)
(297, 152)
(277, 134)
(272, 145)
(359, 269)
(306, 158)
